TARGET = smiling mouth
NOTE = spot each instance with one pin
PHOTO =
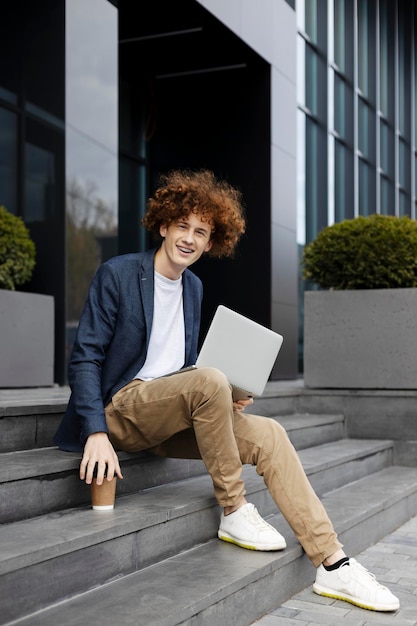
(185, 250)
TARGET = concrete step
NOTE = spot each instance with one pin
(30, 417)
(39, 481)
(212, 583)
(148, 526)
(306, 430)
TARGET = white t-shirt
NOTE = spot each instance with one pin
(166, 350)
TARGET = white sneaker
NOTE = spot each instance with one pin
(353, 583)
(247, 529)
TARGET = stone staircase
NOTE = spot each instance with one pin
(155, 560)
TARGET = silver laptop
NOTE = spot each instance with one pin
(242, 349)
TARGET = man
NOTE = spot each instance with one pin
(141, 322)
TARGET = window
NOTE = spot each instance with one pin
(386, 57)
(366, 48)
(387, 202)
(316, 174)
(343, 183)
(315, 83)
(387, 149)
(366, 130)
(367, 195)
(8, 160)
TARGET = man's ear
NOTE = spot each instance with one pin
(163, 231)
(208, 246)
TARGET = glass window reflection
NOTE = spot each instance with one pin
(405, 165)
(343, 194)
(91, 143)
(315, 83)
(387, 197)
(387, 149)
(39, 184)
(404, 205)
(366, 130)
(367, 192)
(8, 160)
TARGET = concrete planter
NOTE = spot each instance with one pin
(364, 339)
(26, 339)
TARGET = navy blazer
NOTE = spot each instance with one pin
(112, 340)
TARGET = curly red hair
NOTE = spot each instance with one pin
(182, 192)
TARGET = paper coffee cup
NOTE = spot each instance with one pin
(103, 496)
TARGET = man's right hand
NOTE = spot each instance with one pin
(99, 451)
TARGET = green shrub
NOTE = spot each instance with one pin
(17, 251)
(374, 252)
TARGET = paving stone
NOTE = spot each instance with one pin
(395, 557)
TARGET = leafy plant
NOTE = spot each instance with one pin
(374, 252)
(17, 251)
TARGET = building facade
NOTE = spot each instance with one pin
(308, 107)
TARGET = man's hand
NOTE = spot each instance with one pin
(98, 450)
(240, 405)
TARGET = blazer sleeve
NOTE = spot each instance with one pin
(95, 332)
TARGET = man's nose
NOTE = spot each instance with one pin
(189, 236)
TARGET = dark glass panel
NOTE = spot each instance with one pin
(404, 165)
(315, 83)
(343, 36)
(43, 52)
(135, 123)
(44, 212)
(343, 200)
(339, 34)
(404, 204)
(132, 198)
(387, 201)
(316, 180)
(91, 145)
(40, 183)
(367, 193)
(343, 108)
(366, 130)
(316, 22)
(404, 69)
(8, 160)
(339, 106)
(366, 48)
(414, 113)
(387, 57)
(387, 149)
(10, 50)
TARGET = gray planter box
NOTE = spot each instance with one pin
(364, 339)
(26, 339)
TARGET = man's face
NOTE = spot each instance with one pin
(184, 243)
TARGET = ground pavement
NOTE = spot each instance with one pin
(394, 562)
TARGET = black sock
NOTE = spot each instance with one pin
(330, 568)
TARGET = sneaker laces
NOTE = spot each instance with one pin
(256, 519)
(365, 572)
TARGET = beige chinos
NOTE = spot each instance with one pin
(190, 415)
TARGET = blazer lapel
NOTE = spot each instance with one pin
(146, 286)
(188, 313)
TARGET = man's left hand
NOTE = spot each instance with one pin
(240, 405)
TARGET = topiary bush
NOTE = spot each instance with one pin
(374, 252)
(17, 251)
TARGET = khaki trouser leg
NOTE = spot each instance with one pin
(264, 443)
(191, 413)
(143, 415)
